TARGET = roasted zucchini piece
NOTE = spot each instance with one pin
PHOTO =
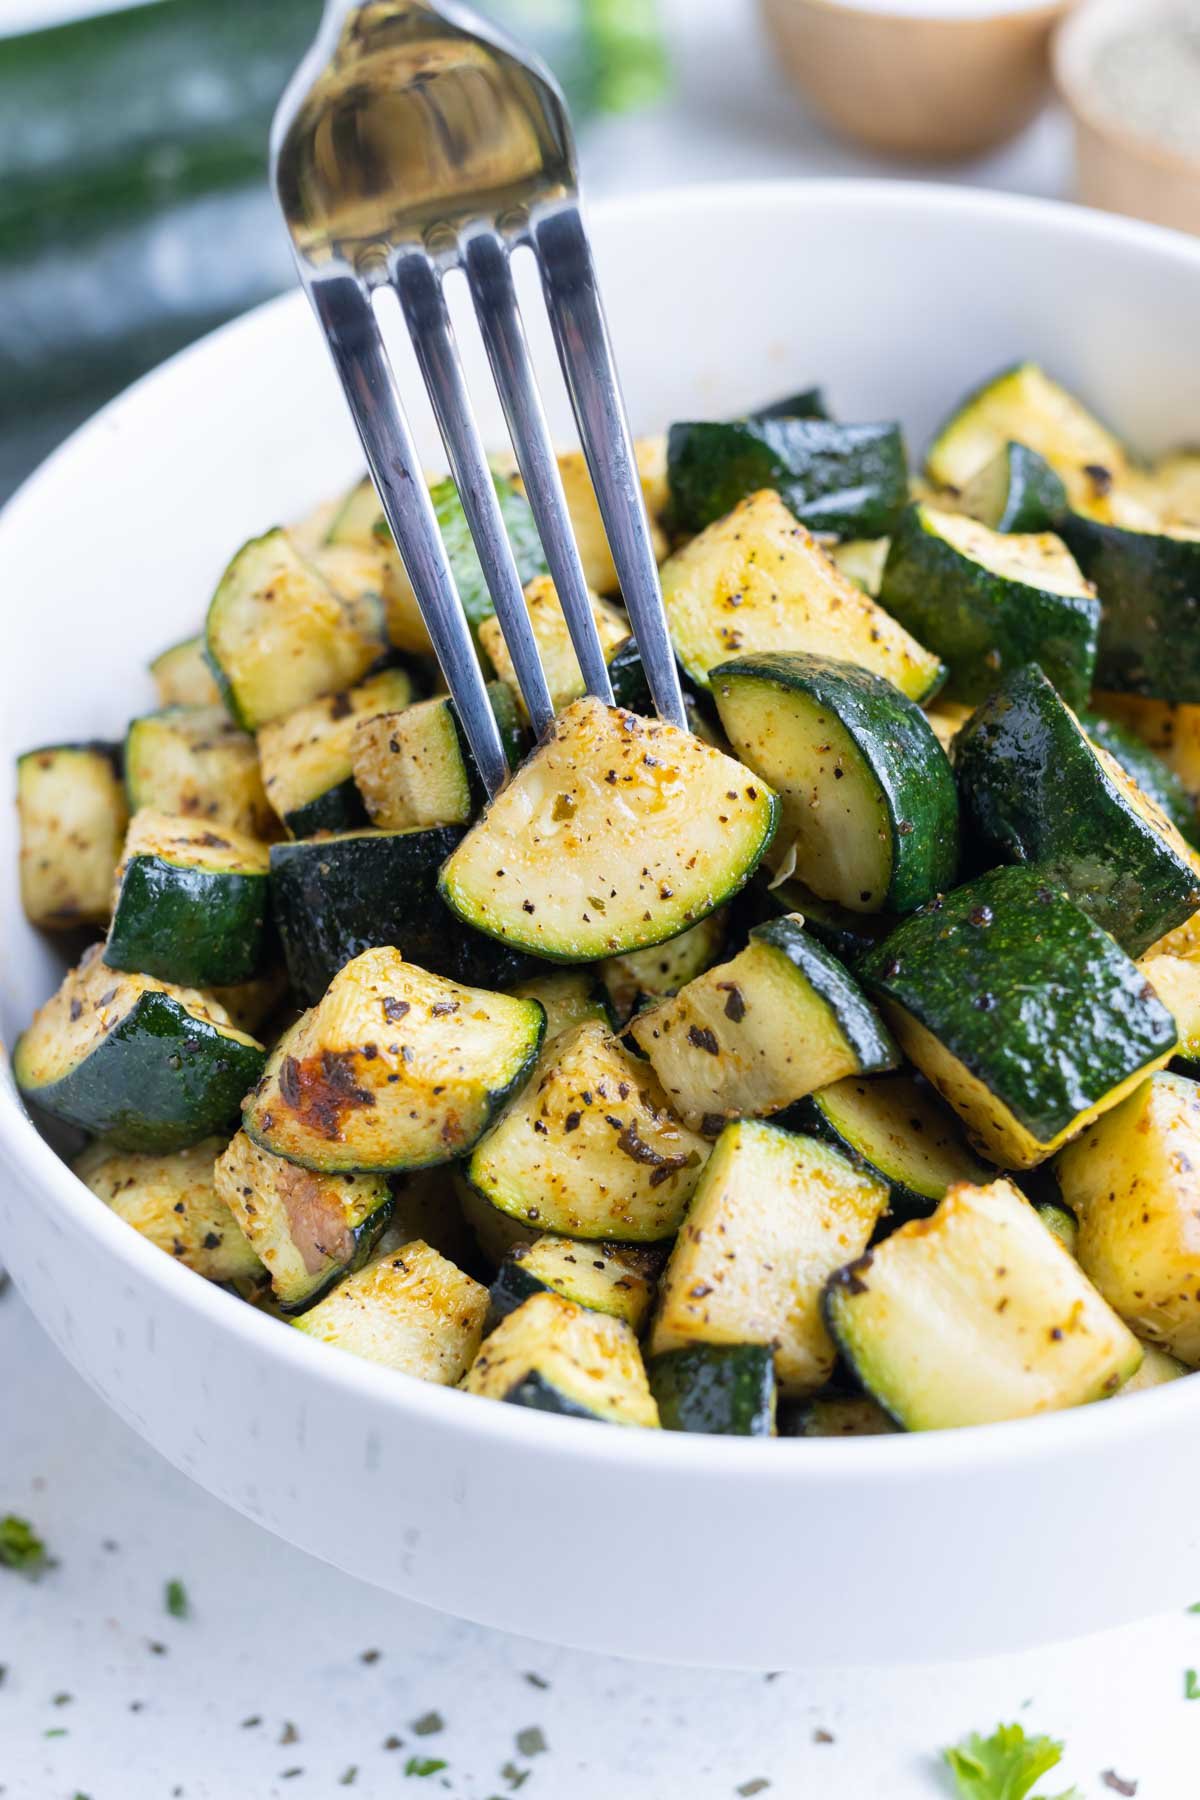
(1027, 1017)
(1061, 1223)
(194, 762)
(279, 634)
(1148, 581)
(564, 677)
(752, 1035)
(862, 561)
(1015, 491)
(591, 1147)
(192, 903)
(308, 1229)
(617, 1279)
(567, 997)
(148, 1065)
(495, 1233)
(1025, 405)
(1035, 789)
(172, 1200)
(410, 1310)
(1172, 484)
(1130, 1180)
(867, 798)
(774, 1216)
(617, 833)
(182, 675)
(425, 1205)
(1171, 730)
(306, 757)
(758, 580)
(1177, 984)
(988, 603)
(803, 403)
(1146, 767)
(557, 1357)
(394, 1069)
(848, 480)
(837, 1415)
(72, 815)
(663, 969)
(723, 1389)
(1157, 1369)
(414, 768)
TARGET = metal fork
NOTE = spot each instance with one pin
(415, 139)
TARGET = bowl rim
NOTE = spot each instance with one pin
(1076, 41)
(966, 1450)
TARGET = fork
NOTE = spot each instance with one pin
(415, 139)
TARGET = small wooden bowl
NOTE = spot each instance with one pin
(918, 77)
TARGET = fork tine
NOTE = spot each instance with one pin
(429, 326)
(354, 338)
(585, 352)
(490, 277)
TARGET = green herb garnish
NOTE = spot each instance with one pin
(425, 1765)
(1004, 1766)
(1191, 1685)
(20, 1546)
(176, 1600)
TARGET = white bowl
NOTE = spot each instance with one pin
(689, 1549)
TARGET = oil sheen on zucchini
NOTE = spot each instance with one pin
(306, 757)
(849, 480)
(617, 1279)
(557, 1357)
(1148, 581)
(192, 902)
(724, 1389)
(171, 1199)
(72, 815)
(410, 1310)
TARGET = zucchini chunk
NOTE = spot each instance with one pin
(1149, 583)
(758, 580)
(617, 1279)
(774, 1216)
(1061, 1224)
(1015, 491)
(989, 603)
(1172, 486)
(1146, 767)
(72, 815)
(335, 897)
(1170, 729)
(414, 768)
(1130, 1180)
(591, 1147)
(182, 676)
(173, 1201)
(495, 1232)
(849, 480)
(1027, 1017)
(279, 634)
(557, 1357)
(725, 1389)
(1025, 405)
(752, 1035)
(410, 1310)
(894, 1127)
(144, 1063)
(308, 1229)
(1035, 789)
(663, 969)
(837, 1415)
(617, 833)
(591, 539)
(191, 903)
(862, 561)
(867, 797)
(805, 403)
(975, 1315)
(394, 1069)
(567, 997)
(1157, 1368)
(306, 757)
(195, 763)
(1177, 984)
(564, 677)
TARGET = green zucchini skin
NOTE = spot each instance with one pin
(981, 623)
(1034, 791)
(628, 677)
(199, 927)
(725, 1389)
(1149, 585)
(339, 808)
(1007, 965)
(460, 546)
(1017, 491)
(335, 897)
(537, 1392)
(859, 1023)
(1155, 777)
(806, 403)
(848, 479)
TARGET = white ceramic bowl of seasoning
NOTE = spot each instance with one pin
(710, 1550)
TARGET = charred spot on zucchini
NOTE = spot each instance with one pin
(721, 1389)
(411, 1310)
(72, 815)
(1024, 405)
(172, 1200)
(663, 969)
(414, 768)
(191, 903)
(1149, 584)
(182, 676)
(557, 1357)
(617, 1279)
(196, 763)
(850, 480)
(306, 757)
(548, 623)
(1015, 491)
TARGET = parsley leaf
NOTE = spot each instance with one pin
(1004, 1766)
(425, 1765)
(1191, 1685)
(20, 1546)
(176, 1600)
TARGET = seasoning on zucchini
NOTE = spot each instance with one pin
(1035, 789)
(394, 1069)
(414, 767)
(754, 1034)
(1025, 405)
(557, 1357)
(1026, 1016)
(726, 1389)
(308, 1229)
(1157, 780)
(410, 1310)
(867, 798)
(548, 622)
(663, 969)
(1149, 583)
(306, 757)
(194, 762)
(172, 1200)
(1015, 491)
(591, 539)
(617, 1279)
(849, 480)
(182, 675)
(975, 1315)
(988, 603)
(148, 1065)
(617, 833)
(72, 815)
(590, 1147)
(774, 1216)
(191, 903)
(758, 580)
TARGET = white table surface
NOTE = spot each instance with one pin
(277, 1637)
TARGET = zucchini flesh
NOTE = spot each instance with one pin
(975, 1315)
(946, 720)
(850, 480)
(1173, 487)
(191, 903)
(725, 1389)
(617, 833)
(1148, 580)
(72, 813)
(173, 1201)
(979, 985)
(148, 1065)
(1157, 1368)
(308, 1229)
(1017, 491)
(1130, 1180)
(591, 539)
(414, 768)
(1177, 984)
(758, 580)
(862, 561)
(196, 763)
(548, 622)
(757, 1033)
(182, 675)
(557, 1357)
(251, 1004)
(839, 1415)
(567, 997)
(1170, 728)
(617, 1279)
(663, 969)
(1025, 405)
(590, 1148)
(867, 797)
(306, 757)
(411, 1310)
(394, 1069)
(774, 1216)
